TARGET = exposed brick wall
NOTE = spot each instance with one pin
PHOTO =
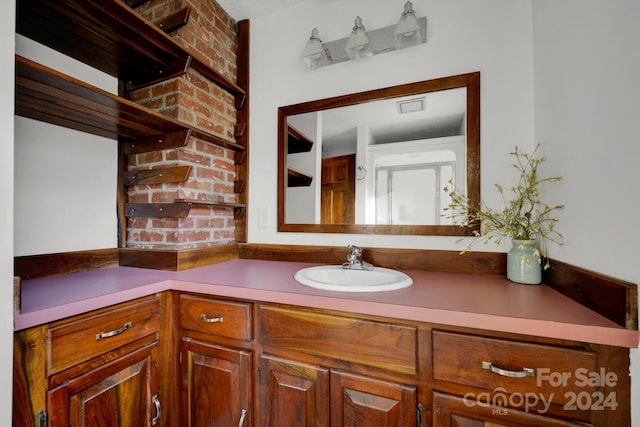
(193, 99)
(210, 31)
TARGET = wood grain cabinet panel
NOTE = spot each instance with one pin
(75, 341)
(216, 383)
(338, 192)
(294, 394)
(362, 401)
(121, 393)
(338, 371)
(94, 369)
(489, 381)
(299, 394)
(216, 317)
(557, 373)
(453, 411)
(382, 345)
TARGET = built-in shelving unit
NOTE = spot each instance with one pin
(112, 37)
(47, 95)
(297, 142)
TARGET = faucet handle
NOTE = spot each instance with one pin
(355, 250)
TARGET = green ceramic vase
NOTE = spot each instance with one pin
(523, 262)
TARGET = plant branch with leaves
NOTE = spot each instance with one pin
(523, 217)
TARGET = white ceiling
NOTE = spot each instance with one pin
(443, 116)
(248, 9)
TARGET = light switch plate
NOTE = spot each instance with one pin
(264, 217)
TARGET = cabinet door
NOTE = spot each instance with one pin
(216, 384)
(121, 393)
(293, 394)
(358, 401)
(453, 411)
(338, 200)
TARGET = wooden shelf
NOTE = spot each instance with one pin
(112, 37)
(297, 142)
(47, 95)
(159, 175)
(298, 179)
(215, 204)
(179, 208)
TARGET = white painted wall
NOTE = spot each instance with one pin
(587, 64)
(65, 180)
(7, 28)
(490, 36)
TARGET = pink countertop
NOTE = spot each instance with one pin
(476, 301)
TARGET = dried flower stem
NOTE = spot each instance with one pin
(524, 216)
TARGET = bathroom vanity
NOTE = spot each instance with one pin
(242, 343)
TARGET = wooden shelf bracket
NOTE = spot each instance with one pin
(158, 142)
(157, 210)
(157, 175)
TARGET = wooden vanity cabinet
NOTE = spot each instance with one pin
(224, 362)
(325, 370)
(216, 362)
(321, 368)
(95, 369)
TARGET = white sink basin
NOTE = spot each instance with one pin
(336, 278)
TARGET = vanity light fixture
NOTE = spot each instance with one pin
(409, 31)
(314, 54)
(358, 44)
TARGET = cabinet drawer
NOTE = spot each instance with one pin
(77, 341)
(457, 411)
(513, 367)
(216, 317)
(384, 345)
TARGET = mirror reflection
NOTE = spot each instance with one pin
(378, 161)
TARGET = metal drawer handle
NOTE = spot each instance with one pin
(242, 418)
(115, 332)
(211, 319)
(526, 372)
(156, 402)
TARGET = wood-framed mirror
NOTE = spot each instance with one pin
(377, 162)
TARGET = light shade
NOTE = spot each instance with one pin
(358, 44)
(407, 32)
(314, 54)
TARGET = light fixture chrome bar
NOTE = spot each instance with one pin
(381, 40)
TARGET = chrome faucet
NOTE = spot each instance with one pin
(354, 260)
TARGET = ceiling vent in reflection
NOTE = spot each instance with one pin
(411, 105)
